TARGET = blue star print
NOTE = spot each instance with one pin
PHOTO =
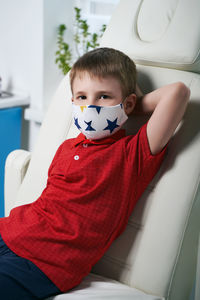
(98, 108)
(76, 123)
(89, 128)
(111, 125)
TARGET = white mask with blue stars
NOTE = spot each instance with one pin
(97, 122)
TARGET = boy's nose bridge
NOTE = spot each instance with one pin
(92, 100)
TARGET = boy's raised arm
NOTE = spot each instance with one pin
(168, 104)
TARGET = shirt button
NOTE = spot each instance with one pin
(76, 157)
(85, 145)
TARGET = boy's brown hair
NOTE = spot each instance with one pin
(105, 62)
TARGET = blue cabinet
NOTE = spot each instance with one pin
(10, 139)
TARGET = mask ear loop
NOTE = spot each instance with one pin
(123, 105)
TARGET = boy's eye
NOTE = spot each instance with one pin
(81, 97)
(104, 96)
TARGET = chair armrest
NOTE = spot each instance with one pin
(15, 169)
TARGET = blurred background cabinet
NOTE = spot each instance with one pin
(11, 120)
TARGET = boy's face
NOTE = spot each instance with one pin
(89, 90)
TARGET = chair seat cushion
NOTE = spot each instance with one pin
(95, 287)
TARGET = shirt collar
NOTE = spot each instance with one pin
(108, 140)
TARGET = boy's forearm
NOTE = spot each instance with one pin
(147, 103)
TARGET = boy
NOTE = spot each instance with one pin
(94, 180)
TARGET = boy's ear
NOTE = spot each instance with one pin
(129, 103)
(72, 99)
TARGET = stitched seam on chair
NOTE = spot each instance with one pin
(166, 29)
(119, 262)
(135, 225)
(186, 226)
(25, 168)
(157, 61)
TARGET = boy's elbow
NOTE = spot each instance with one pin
(182, 91)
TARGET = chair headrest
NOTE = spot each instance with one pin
(157, 32)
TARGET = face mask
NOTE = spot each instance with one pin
(97, 122)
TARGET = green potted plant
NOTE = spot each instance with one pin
(83, 39)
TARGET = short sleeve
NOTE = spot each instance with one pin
(140, 157)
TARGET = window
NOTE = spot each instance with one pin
(97, 12)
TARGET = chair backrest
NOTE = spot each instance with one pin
(157, 251)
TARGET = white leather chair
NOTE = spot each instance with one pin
(155, 258)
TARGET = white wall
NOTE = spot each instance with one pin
(28, 31)
(21, 53)
(28, 35)
(56, 12)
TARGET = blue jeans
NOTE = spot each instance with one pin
(20, 279)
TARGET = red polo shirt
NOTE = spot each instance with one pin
(91, 191)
